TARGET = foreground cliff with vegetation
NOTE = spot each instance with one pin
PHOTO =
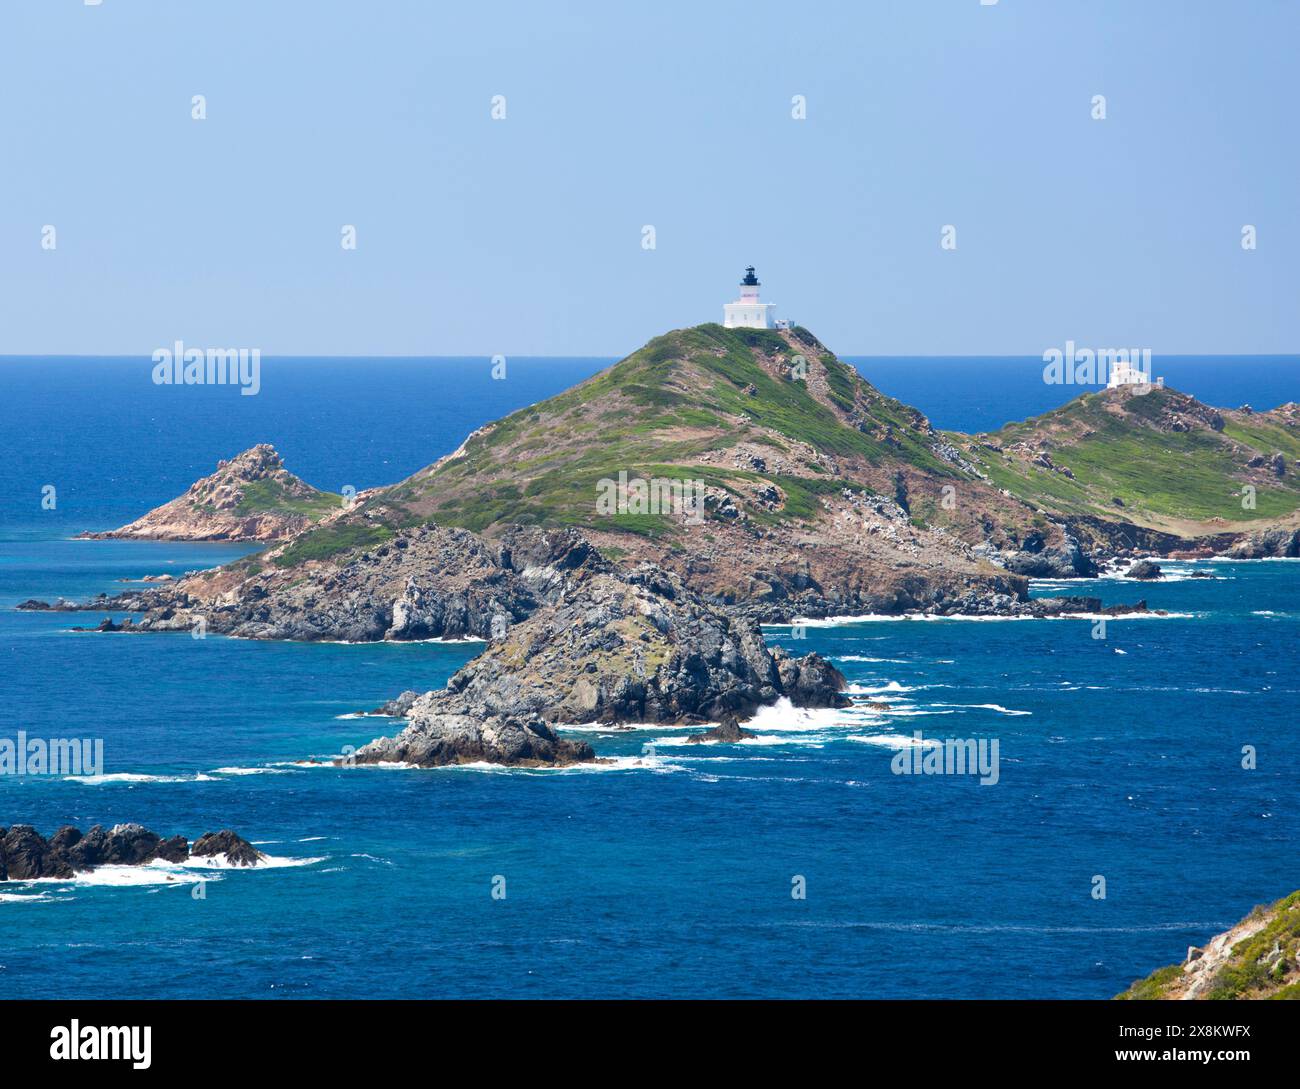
(1257, 958)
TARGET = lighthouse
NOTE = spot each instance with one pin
(747, 312)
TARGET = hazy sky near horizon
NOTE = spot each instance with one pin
(525, 235)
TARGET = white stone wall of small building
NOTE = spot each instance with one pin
(747, 315)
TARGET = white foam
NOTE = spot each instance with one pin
(783, 716)
(758, 740)
(894, 741)
(876, 618)
(986, 707)
(399, 642)
(24, 898)
(607, 763)
(160, 872)
(222, 862)
(137, 777)
(153, 873)
(889, 687)
(250, 771)
(914, 712)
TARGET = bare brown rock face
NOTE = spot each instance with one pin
(251, 497)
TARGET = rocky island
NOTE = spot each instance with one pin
(617, 546)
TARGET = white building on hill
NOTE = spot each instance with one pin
(747, 312)
(1131, 368)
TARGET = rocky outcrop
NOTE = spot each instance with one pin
(238, 851)
(26, 855)
(617, 647)
(810, 681)
(251, 497)
(428, 582)
(1270, 543)
(436, 740)
(1145, 570)
(636, 646)
(398, 707)
(728, 730)
(1034, 560)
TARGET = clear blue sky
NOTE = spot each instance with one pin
(524, 235)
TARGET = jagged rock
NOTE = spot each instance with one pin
(399, 706)
(618, 647)
(1069, 561)
(131, 844)
(1144, 569)
(1278, 542)
(729, 729)
(173, 849)
(435, 740)
(26, 855)
(238, 851)
(810, 681)
(109, 624)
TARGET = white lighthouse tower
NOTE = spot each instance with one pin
(747, 312)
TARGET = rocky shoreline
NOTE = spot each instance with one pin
(26, 855)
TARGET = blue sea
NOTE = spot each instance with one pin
(670, 871)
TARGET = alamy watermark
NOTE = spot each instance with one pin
(952, 756)
(1110, 367)
(182, 366)
(56, 756)
(658, 495)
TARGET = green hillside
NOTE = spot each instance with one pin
(1160, 458)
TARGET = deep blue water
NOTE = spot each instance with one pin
(671, 876)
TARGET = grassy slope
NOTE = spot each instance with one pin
(677, 407)
(269, 496)
(654, 414)
(1116, 449)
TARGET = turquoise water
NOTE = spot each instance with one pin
(666, 873)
